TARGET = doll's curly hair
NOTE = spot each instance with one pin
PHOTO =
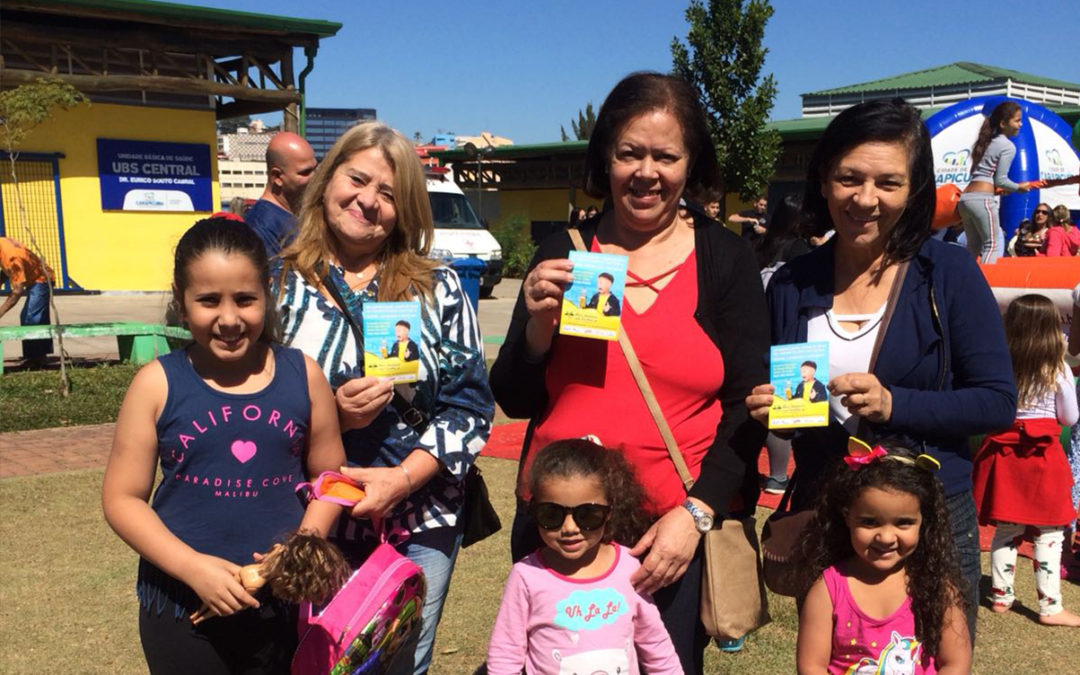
(579, 457)
(305, 568)
(935, 582)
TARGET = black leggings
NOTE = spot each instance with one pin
(250, 642)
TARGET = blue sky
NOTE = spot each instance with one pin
(521, 69)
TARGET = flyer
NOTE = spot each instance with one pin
(799, 373)
(392, 340)
(592, 304)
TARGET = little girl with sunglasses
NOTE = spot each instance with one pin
(569, 607)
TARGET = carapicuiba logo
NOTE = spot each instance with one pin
(953, 167)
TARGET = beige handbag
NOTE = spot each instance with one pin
(733, 601)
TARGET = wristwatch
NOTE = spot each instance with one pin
(702, 521)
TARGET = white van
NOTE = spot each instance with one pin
(458, 232)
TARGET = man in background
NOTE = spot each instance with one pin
(753, 221)
(290, 162)
(29, 276)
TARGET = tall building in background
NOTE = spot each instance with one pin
(324, 125)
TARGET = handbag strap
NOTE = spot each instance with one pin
(646, 391)
(863, 428)
(409, 414)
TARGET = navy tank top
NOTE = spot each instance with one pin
(230, 465)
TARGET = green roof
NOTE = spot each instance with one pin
(519, 151)
(172, 13)
(962, 72)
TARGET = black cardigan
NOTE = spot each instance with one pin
(731, 310)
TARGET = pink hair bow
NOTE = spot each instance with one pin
(860, 454)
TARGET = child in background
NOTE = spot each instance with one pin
(1022, 477)
(570, 607)
(234, 419)
(886, 585)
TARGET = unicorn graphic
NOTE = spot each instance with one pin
(899, 657)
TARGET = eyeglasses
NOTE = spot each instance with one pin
(551, 516)
(1042, 211)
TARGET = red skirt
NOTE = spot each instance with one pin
(1022, 476)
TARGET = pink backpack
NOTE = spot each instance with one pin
(364, 626)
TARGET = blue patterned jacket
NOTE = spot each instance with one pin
(452, 389)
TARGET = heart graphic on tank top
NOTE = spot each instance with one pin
(243, 450)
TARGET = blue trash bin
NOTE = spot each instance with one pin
(469, 270)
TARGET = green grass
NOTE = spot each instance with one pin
(32, 400)
(68, 601)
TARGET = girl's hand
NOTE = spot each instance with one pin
(384, 488)
(217, 583)
(671, 543)
(360, 400)
(758, 402)
(863, 395)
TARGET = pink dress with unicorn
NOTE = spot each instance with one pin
(863, 645)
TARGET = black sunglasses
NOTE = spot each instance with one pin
(551, 516)
(1045, 213)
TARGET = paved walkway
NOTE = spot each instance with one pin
(28, 453)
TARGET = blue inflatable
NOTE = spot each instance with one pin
(1043, 151)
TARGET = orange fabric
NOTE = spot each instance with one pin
(18, 263)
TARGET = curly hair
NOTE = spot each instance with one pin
(305, 568)
(934, 580)
(579, 457)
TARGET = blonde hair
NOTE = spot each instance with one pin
(405, 268)
(1036, 346)
(1059, 215)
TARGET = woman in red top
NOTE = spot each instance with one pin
(694, 310)
(1063, 238)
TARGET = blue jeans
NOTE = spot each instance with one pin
(35, 312)
(963, 522)
(435, 552)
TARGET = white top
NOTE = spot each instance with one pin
(1060, 404)
(849, 351)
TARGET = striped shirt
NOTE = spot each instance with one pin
(452, 389)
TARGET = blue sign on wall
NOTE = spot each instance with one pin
(152, 176)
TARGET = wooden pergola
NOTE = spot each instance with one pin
(154, 53)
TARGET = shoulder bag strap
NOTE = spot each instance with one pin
(890, 309)
(647, 392)
(409, 414)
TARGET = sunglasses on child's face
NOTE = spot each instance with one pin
(588, 517)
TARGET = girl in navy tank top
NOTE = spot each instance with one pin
(236, 422)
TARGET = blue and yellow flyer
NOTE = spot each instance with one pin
(593, 304)
(799, 373)
(392, 340)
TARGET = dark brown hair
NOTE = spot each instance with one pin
(577, 457)
(305, 568)
(991, 127)
(227, 236)
(877, 121)
(636, 95)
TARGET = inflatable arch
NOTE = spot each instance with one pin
(1043, 151)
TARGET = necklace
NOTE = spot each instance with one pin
(353, 285)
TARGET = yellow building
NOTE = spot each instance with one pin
(109, 187)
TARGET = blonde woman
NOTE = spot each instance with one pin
(365, 229)
(1063, 238)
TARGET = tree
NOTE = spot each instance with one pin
(722, 59)
(583, 126)
(21, 110)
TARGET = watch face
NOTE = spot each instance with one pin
(705, 523)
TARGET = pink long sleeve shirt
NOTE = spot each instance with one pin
(550, 624)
